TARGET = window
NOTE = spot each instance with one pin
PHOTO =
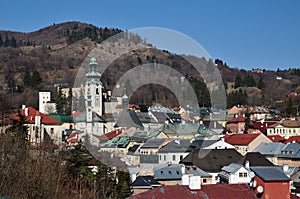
(240, 175)
(165, 157)
(204, 180)
(174, 157)
(159, 157)
(181, 157)
(52, 130)
(243, 175)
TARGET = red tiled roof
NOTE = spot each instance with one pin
(211, 191)
(111, 134)
(237, 119)
(276, 138)
(30, 117)
(295, 138)
(240, 139)
(73, 137)
(262, 126)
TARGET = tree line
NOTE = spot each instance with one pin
(42, 172)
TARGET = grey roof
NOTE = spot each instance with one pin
(270, 149)
(82, 118)
(270, 174)
(145, 181)
(202, 143)
(160, 116)
(291, 151)
(128, 118)
(178, 145)
(195, 171)
(232, 168)
(172, 172)
(212, 160)
(173, 118)
(153, 143)
(255, 159)
(145, 117)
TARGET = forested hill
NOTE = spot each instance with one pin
(52, 56)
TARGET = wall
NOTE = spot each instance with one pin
(273, 190)
(290, 162)
(169, 157)
(257, 141)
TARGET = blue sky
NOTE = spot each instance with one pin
(244, 34)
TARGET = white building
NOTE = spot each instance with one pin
(45, 104)
(235, 174)
(285, 128)
(173, 152)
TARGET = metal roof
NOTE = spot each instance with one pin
(145, 181)
(270, 174)
(153, 143)
(291, 150)
(232, 168)
(172, 172)
(175, 146)
(270, 149)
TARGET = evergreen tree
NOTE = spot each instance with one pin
(69, 102)
(27, 79)
(238, 81)
(247, 121)
(260, 84)
(60, 101)
(36, 80)
(13, 42)
(1, 41)
(249, 81)
(7, 41)
(289, 107)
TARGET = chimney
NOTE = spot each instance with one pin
(26, 111)
(185, 179)
(23, 106)
(285, 168)
(194, 183)
(177, 141)
(247, 164)
(183, 169)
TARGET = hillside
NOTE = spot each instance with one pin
(57, 51)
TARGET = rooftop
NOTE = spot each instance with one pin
(269, 149)
(145, 181)
(224, 191)
(255, 159)
(212, 160)
(240, 139)
(270, 174)
(153, 143)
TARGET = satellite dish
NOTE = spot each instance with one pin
(260, 189)
(254, 183)
(251, 174)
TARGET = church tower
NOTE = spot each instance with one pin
(93, 91)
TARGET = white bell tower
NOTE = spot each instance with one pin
(93, 89)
